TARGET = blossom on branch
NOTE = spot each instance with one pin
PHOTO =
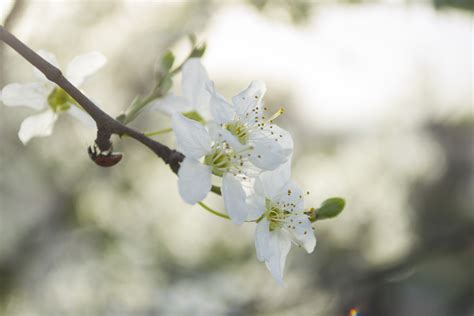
(208, 152)
(283, 220)
(44, 94)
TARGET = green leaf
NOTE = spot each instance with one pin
(167, 61)
(330, 208)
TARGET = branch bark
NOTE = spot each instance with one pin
(106, 125)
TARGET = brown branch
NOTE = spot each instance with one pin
(106, 125)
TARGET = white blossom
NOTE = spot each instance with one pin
(194, 99)
(208, 152)
(45, 95)
(244, 118)
(283, 221)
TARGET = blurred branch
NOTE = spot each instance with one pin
(10, 19)
(14, 13)
(106, 125)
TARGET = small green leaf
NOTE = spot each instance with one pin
(167, 61)
(330, 208)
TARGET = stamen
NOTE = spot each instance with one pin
(277, 114)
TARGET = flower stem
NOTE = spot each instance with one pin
(210, 210)
(159, 132)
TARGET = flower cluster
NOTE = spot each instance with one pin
(236, 144)
(232, 147)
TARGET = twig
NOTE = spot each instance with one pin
(106, 125)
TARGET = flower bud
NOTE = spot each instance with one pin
(330, 208)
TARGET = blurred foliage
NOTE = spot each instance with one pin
(80, 240)
(458, 4)
(298, 11)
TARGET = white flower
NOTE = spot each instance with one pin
(244, 119)
(207, 152)
(46, 95)
(284, 221)
(195, 98)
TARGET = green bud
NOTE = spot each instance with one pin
(167, 61)
(330, 208)
(198, 51)
(121, 118)
(193, 115)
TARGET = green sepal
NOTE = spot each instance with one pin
(60, 101)
(193, 115)
(330, 208)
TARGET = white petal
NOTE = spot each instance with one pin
(222, 112)
(194, 82)
(82, 116)
(270, 151)
(234, 199)
(170, 104)
(279, 246)
(39, 125)
(194, 180)
(285, 140)
(249, 98)
(275, 181)
(83, 66)
(191, 137)
(32, 95)
(303, 232)
(50, 58)
(256, 205)
(295, 196)
(262, 234)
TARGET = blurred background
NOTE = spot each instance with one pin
(379, 101)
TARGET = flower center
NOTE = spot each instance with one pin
(239, 130)
(275, 214)
(60, 101)
(223, 158)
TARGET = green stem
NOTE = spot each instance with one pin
(159, 132)
(210, 210)
(137, 107)
(260, 218)
(154, 94)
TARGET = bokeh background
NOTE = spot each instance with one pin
(379, 100)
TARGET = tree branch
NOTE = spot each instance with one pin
(106, 125)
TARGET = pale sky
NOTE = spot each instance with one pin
(352, 65)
